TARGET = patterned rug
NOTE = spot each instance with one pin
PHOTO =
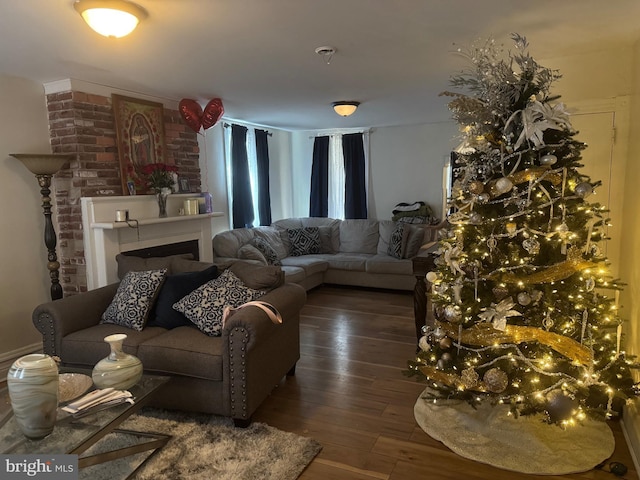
(206, 447)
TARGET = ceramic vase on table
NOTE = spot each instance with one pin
(32, 382)
(119, 370)
(162, 196)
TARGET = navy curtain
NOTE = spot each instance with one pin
(242, 201)
(355, 202)
(319, 200)
(264, 195)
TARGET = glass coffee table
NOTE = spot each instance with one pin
(76, 434)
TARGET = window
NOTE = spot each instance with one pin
(247, 166)
(339, 177)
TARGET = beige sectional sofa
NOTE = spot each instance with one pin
(350, 252)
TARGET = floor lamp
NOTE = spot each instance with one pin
(44, 166)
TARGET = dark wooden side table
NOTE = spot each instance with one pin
(422, 264)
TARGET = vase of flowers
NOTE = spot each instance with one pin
(160, 179)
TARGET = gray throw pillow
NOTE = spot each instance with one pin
(205, 305)
(269, 253)
(304, 241)
(249, 252)
(134, 298)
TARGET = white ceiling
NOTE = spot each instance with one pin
(258, 56)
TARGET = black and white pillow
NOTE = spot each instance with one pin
(134, 298)
(204, 306)
(304, 241)
(396, 241)
(266, 250)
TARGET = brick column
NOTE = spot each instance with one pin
(83, 124)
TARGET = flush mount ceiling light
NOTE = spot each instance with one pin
(111, 18)
(345, 108)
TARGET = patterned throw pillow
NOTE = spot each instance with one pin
(395, 241)
(266, 250)
(132, 302)
(304, 241)
(204, 306)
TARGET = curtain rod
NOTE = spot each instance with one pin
(227, 125)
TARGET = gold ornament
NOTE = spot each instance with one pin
(476, 187)
(470, 377)
(495, 380)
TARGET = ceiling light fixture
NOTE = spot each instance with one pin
(345, 108)
(111, 18)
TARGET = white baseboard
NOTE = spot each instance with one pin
(631, 431)
(7, 359)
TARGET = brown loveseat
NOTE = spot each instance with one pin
(229, 375)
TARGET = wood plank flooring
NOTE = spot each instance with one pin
(349, 394)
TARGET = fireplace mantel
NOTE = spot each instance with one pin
(104, 238)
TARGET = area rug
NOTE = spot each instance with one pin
(526, 444)
(206, 447)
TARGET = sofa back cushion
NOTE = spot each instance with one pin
(272, 236)
(359, 236)
(129, 263)
(227, 244)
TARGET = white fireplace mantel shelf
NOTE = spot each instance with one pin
(153, 221)
(104, 238)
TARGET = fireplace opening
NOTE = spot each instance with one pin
(190, 246)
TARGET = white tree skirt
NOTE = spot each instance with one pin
(525, 444)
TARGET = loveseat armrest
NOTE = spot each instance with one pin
(58, 318)
(257, 352)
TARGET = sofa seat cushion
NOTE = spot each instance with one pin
(387, 264)
(293, 274)
(183, 351)
(87, 346)
(309, 263)
(348, 261)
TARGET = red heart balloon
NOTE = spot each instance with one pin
(191, 112)
(212, 113)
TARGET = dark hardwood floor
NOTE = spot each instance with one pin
(349, 394)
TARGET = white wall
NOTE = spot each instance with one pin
(24, 281)
(630, 266)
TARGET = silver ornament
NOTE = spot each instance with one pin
(503, 185)
(548, 159)
(531, 245)
(496, 380)
(591, 284)
(475, 218)
(560, 406)
(452, 313)
(524, 298)
(484, 198)
(583, 190)
(446, 357)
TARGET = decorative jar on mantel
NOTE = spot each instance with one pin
(32, 382)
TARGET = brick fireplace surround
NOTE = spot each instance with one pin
(83, 124)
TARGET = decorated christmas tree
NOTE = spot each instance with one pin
(526, 310)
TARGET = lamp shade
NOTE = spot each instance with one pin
(111, 18)
(345, 108)
(42, 163)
